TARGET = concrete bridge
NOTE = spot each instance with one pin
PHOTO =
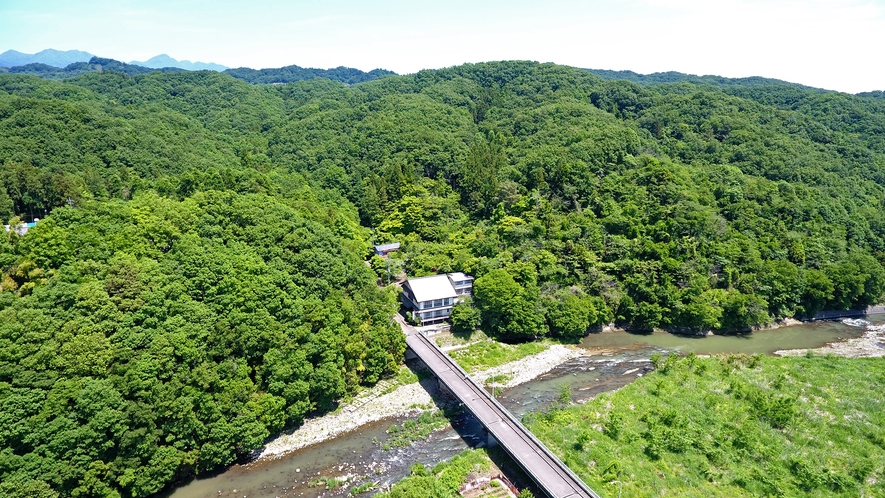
(550, 474)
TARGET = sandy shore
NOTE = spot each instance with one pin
(870, 345)
(405, 400)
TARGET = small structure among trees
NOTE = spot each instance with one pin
(384, 249)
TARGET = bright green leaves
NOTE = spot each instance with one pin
(570, 315)
(465, 316)
(173, 336)
(729, 426)
(509, 308)
(858, 281)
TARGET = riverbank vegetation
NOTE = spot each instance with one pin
(196, 281)
(730, 426)
(488, 354)
(443, 480)
(418, 429)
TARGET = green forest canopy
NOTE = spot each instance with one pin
(196, 282)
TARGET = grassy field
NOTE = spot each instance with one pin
(488, 354)
(731, 426)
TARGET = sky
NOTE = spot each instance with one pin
(832, 44)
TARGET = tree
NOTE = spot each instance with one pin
(818, 291)
(465, 317)
(508, 308)
(477, 179)
(569, 315)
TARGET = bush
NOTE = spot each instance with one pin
(465, 317)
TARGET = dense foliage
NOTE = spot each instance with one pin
(730, 426)
(145, 340)
(196, 280)
(290, 74)
(576, 201)
(676, 77)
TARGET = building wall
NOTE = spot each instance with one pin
(437, 303)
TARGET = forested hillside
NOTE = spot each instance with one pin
(94, 64)
(676, 77)
(197, 279)
(145, 340)
(290, 74)
(287, 74)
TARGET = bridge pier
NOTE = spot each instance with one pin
(444, 389)
(490, 439)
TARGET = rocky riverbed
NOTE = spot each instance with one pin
(870, 344)
(406, 400)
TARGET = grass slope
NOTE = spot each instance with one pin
(490, 354)
(731, 426)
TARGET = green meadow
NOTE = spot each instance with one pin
(730, 426)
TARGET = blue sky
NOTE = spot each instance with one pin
(834, 44)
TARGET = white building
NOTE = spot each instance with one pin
(431, 298)
(462, 283)
(23, 228)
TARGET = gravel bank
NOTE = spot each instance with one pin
(530, 367)
(405, 400)
(870, 345)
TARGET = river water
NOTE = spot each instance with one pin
(615, 359)
(804, 336)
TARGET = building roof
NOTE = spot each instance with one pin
(433, 287)
(459, 277)
(387, 247)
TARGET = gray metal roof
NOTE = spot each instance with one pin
(387, 247)
(433, 287)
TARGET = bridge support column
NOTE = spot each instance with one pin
(490, 439)
(444, 389)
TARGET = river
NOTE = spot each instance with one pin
(359, 453)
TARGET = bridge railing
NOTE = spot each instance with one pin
(511, 421)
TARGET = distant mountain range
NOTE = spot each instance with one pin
(62, 59)
(164, 60)
(95, 64)
(59, 65)
(288, 74)
(50, 57)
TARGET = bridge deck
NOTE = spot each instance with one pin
(554, 477)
